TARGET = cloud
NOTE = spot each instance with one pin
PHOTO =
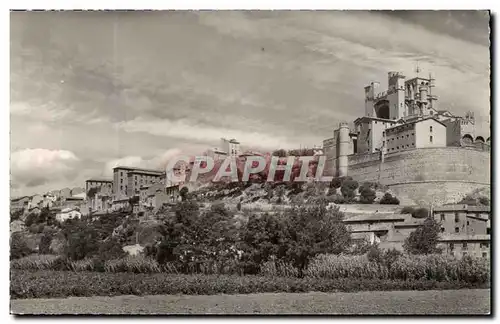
(107, 90)
(35, 167)
(186, 130)
(158, 162)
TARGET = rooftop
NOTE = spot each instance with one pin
(461, 207)
(376, 217)
(447, 237)
(159, 172)
(414, 122)
(98, 180)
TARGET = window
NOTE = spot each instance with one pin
(397, 137)
(397, 147)
(430, 129)
(412, 144)
(442, 217)
(121, 187)
(457, 230)
(485, 255)
(452, 246)
(457, 218)
(442, 229)
(412, 134)
(467, 223)
(488, 231)
(484, 245)
(430, 139)
(121, 180)
(464, 246)
(121, 174)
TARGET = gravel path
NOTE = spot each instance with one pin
(473, 301)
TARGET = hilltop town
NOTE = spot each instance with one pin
(404, 151)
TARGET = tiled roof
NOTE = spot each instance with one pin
(463, 237)
(365, 217)
(461, 207)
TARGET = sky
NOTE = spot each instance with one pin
(93, 90)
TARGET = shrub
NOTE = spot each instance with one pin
(136, 264)
(36, 262)
(343, 266)
(367, 195)
(348, 188)
(388, 199)
(407, 210)
(336, 183)
(468, 200)
(86, 264)
(278, 269)
(420, 213)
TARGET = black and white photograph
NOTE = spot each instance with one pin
(250, 162)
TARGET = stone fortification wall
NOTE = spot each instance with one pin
(437, 175)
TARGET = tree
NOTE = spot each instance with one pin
(30, 219)
(314, 230)
(280, 153)
(16, 214)
(18, 247)
(388, 199)
(45, 241)
(183, 193)
(83, 239)
(484, 201)
(424, 239)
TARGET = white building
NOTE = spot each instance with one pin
(68, 213)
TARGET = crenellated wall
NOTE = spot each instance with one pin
(438, 175)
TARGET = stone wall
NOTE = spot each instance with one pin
(437, 175)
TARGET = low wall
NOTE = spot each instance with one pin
(429, 175)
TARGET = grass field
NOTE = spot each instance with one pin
(465, 301)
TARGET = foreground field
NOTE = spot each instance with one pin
(466, 301)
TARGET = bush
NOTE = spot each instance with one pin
(136, 264)
(468, 200)
(348, 188)
(407, 210)
(342, 266)
(388, 199)
(367, 195)
(420, 213)
(36, 262)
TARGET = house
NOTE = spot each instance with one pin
(465, 230)
(68, 213)
(19, 204)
